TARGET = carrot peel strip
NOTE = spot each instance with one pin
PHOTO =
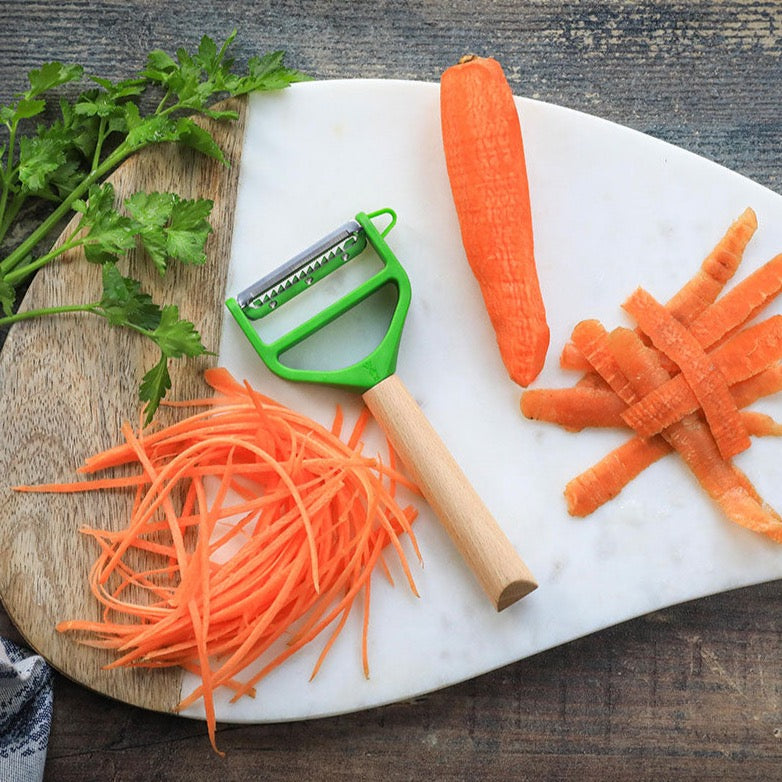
(706, 381)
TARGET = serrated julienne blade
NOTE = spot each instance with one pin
(325, 256)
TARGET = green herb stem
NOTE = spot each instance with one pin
(99, 143)
(19, 255)
(22, 272)
(30, 314)
(11, 211)
(8, 170)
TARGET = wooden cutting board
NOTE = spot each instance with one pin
(67, 384)
(612, 208)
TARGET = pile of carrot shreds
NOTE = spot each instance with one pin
(680, 381)
(258, 529)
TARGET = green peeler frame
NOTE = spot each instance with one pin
(380, 362)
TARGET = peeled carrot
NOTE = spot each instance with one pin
(484, 153)
(257, 528)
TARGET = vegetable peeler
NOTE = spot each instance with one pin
(476, 534)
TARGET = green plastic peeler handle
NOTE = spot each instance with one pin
(380, 362)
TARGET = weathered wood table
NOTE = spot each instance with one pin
(691, 692)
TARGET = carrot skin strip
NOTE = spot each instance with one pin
(717, 268)
(604, 480)
(730, 489)
(743, 356)
(708, 384)
(574, 408)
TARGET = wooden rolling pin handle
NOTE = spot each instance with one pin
(474, 531)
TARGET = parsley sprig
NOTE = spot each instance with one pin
(65, 161)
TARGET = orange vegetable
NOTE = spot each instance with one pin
(636, 370)
(708, 383)
(605, 480)
(717, 268)
(699, 292)
(574, 408)
(257, 529)
(684, 374)
(484, 154)
(691, 438)
(742, 357)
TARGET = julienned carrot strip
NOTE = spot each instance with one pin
(709, 385)
(484, 154)
(288, 525)
(743, 356)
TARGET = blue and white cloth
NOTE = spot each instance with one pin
(25, 713)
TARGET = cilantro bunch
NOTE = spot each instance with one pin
(65, 161)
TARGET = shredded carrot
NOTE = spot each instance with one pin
(258, 529)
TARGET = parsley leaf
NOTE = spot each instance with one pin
(170, 227)
(51, 75)
(40, 157)
(65, 162)
(109, 234)
(176, 337)
(191, 134)
(124, 303)
(154, 386)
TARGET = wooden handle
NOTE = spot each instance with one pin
(480, 540)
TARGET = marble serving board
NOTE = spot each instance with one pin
(613, 209)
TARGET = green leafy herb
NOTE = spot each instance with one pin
(64, 162)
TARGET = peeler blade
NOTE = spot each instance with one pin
(322, 257)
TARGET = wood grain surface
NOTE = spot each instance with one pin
(692, 692)
(67, 386)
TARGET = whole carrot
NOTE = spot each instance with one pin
(484, 155)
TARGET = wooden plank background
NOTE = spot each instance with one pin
(692, 692)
